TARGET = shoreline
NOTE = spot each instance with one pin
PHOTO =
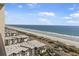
(63, 36)
(52, 36)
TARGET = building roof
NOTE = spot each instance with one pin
(14, 49)
(32, 44)
(23, 46)
(13, 37)
(21, 36)
(10, 31)
(8, 38)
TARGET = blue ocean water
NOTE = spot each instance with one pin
(68, 30)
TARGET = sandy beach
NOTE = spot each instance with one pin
(66, 39)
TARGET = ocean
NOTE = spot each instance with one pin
(67, 30)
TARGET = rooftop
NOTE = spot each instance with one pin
(19, 36)
(32, 44)
(14, 49)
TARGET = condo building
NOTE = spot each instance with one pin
(18, 44)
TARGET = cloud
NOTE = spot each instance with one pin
(73, 7)
(45, 21)
(47, 13)
(72, 21)
(75, 14)
(67, 18)
(77, 11)
(20, 6)
(32, 5)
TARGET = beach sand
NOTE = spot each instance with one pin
(68, 40)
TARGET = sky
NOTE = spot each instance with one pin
(42, 13)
